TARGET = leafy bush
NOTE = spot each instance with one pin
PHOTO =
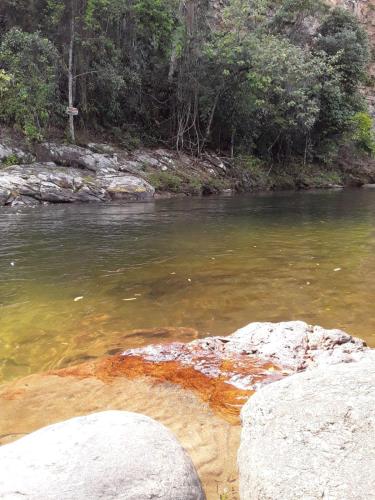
(363, 133)
(11, 160)
(165, 181)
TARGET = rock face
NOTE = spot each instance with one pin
(47, 182)
(60, 173)
(8, 151)
(109, 455)
(311, 436)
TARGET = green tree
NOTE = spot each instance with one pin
(31, 96)
(345, 44)
(341, 36)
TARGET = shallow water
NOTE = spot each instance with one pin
(213, 264)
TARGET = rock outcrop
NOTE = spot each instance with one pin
(225, 371)
(8, 151)
(297, 346)
(61, 173)
(311, 436)
(286, 347)
(109, 455)
(75, 174)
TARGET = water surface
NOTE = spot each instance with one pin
(75, 280)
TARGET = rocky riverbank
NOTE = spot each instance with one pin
(286, 364)
(59, 173)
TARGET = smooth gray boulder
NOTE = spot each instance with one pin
(108, 455)
(311, 436)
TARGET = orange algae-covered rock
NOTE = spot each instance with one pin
(224, 382)
(224, 396)
(225, 371)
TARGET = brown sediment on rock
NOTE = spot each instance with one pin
(224, 380)
(224, 398)
(226, 371)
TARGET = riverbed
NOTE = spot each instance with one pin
(81, 281)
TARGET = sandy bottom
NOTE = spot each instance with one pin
(212, 442)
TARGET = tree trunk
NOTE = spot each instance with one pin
(70, 77)
(232, 143)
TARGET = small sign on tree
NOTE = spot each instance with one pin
(72, 111)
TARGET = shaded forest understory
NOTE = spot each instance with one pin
(272, 88)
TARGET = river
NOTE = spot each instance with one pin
(77, 280)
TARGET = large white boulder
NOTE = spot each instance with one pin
(311, 436)
(108, 455)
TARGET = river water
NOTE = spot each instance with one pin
(76, 280)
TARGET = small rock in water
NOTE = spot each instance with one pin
(77, 299)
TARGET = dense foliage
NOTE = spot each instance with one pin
(272, 78)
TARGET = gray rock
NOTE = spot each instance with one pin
(102, 148)
(296, 344)
(78, 157)
(126, 187)
(311, 436)
(291, 346)
(23, 201)
(47, 182)
(109, 455)
(148, 159)
(7, 151)
(4, 195)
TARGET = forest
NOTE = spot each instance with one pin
(268, 78)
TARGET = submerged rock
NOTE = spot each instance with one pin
(311, 436)
(222, 371)
(38, 400)
(109, 455)
(225, 371)
(292, 345)
(259, 352)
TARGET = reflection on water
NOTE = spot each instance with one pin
(212, 264)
